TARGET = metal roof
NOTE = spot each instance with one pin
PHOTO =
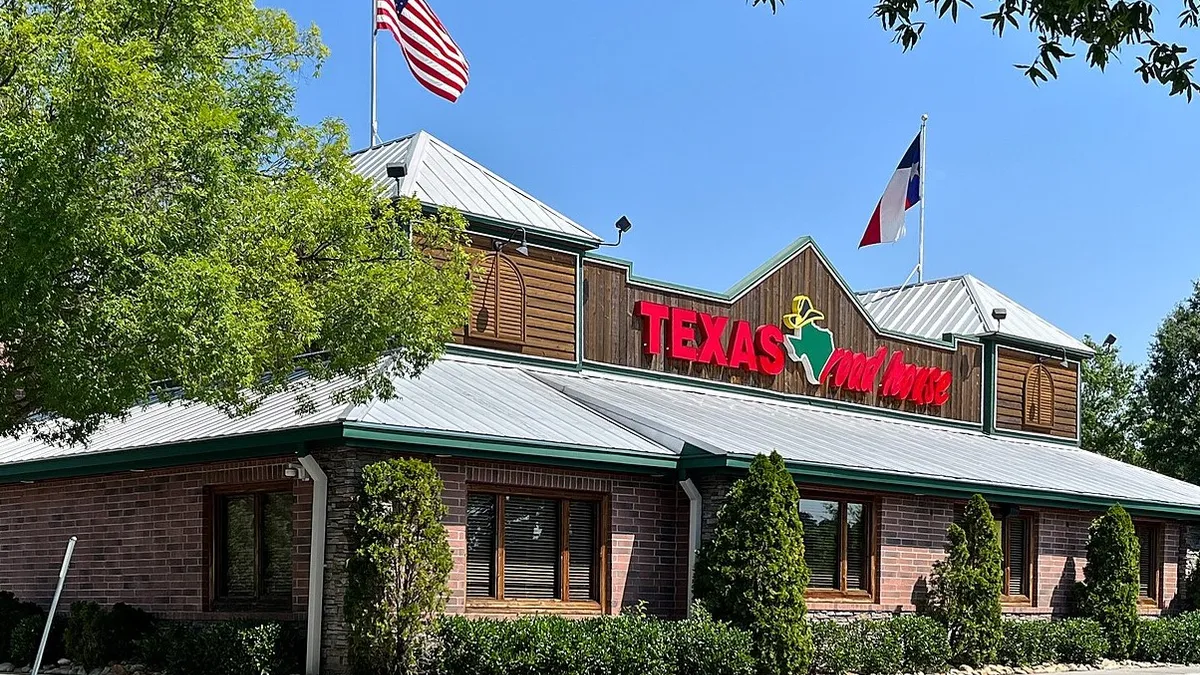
(962, 306)
(454, 395)
(737, 424)
(439, 175)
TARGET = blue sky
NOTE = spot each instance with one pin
(724, 133)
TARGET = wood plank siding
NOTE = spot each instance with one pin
(548, 280)
(613, 334)
(1012, 368)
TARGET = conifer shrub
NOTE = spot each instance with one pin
(965, 588)
(1110, 587)
(752, 572)
(398, 569)
(11, 613)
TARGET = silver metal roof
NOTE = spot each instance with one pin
(454, 395)
(735, 424)
(963, 306)
(437, 174)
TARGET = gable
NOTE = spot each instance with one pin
(823, 345)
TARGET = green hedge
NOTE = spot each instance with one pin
(880, 647)
(96, 636)
(226, 647)
(1170, 640)
(625, 645)
(1033, 642)
(12, 611)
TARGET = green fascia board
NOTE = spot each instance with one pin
(265, 444)
(761, 271)
(863, 479)
(538, 452)
(534, 235)
(1045, 348)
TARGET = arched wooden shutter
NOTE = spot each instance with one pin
(1039, 397)
(498, 307)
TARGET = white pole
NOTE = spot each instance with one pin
(921, 234)
(374, 50)
(62, 578)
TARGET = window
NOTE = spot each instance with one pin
(533, 547)
(498, 306)
(253, 550)
(1148, 561)
(1039, 397)
(1017, 535)
(837, 545)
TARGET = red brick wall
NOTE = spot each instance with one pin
(141, 536)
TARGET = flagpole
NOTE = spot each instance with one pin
(921, 233)
(374, 50)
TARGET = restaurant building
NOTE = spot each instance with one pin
(587, 424)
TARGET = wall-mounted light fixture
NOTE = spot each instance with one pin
(623, 225)
(999, 314)
(1109, 341)
(523, 248)
(295, 472)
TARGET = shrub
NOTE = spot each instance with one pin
(752, 572)
(88, 637)
(1191, 587)
(964, 589)
(27, 635)
(1170, 640)
(1027, 643)
(11, 613)
(633, 644)
(399, 568)
(902, 644)
(128, 625)
(1081, 641)
(1110, 588)
(227, 647)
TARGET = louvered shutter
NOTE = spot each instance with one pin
(821, 535)
(582, 548)
(1018, 557)
(531, 548)
(1039, 397)
(1145, 536)
(498, 305)
(857, 542)
(481, 546)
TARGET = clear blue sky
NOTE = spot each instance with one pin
(725, 132)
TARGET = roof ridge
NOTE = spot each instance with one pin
(969, 281)
(901, 287)
(354, 153)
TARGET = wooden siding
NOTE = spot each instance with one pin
(550, 294)
(613, 334)
(1011, 367)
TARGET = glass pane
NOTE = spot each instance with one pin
(858, 539)
(277, 545)
(531, 548)
(821, 542)
(237, 547)
(1145, 537)
(481, 546)
(1018, 558)
(583, 550)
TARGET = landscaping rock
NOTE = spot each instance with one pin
(6, 667)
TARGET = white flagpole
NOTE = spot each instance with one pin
(374, 49)
(921, 234)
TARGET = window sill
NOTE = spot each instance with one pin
(1015, 601)
(840, 596)
(493, 606)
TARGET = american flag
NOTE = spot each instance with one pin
(432, 56)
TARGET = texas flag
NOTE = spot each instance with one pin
(902, 193)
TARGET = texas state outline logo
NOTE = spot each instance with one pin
(809, 344)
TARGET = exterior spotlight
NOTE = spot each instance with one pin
(623, 225)
(396, 170)
(1110, 341)
(999, 314)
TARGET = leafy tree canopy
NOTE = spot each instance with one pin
(1170, 394)
(1099, 27)
(1109, 427)
(167, 223)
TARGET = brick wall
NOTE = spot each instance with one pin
(142, 536)
(648, 547)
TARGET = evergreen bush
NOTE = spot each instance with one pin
(27, 635)
(1173, 639)
(965, 588)
(1080, 641)
(88, 636)
(1110, 588)
(752, 572)
(11, 613)
(225, 647)
(399, 567)
(902, 644)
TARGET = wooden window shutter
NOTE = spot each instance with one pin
(1018, 557)
(498, 306)
(1039, 397)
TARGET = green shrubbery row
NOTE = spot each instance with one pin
(903, 644)
(1033, 642)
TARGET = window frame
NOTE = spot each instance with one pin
(1030, 557)
(871, 508)
(216, 495)
(497, 601)
(1156, 562)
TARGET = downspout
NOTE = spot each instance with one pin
(316, 565)
(694, 514)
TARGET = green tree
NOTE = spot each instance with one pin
(167, 224)
(399, 567)
(1100, 27)
(1108, 414)
(752, 572)
(1110, 586)
(1170, 394)
(965, 588)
